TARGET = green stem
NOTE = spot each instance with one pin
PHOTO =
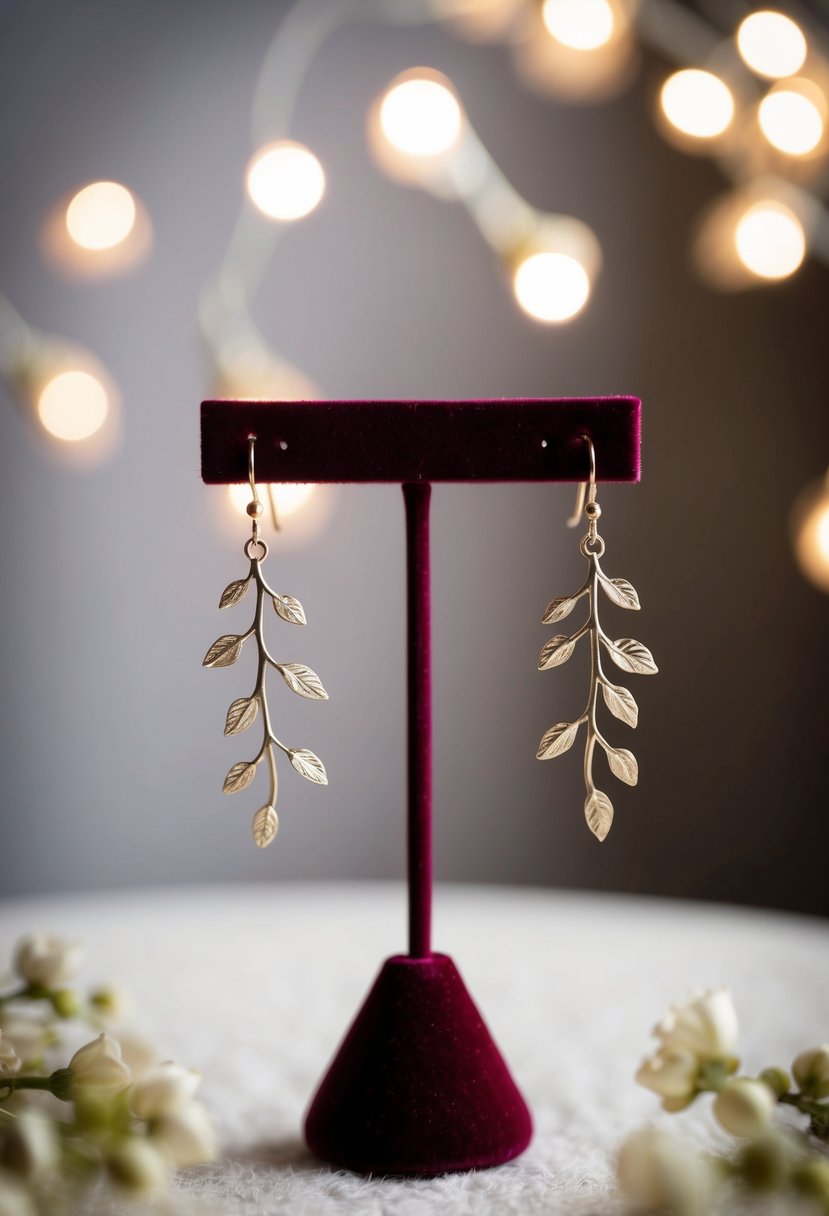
(58, 1083)
(818, 1112)
(28, 991)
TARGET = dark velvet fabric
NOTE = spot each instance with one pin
(521, 439)
(419, 722)
(418, 1087)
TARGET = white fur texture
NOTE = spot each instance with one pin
(255, 986)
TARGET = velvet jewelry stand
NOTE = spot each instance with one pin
(418, 1086)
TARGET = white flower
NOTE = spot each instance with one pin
(137, 1164)
(673, 1075)
(659, 1172)
(811, 1071)
(30, 1145)
(706, 1025)
(140, 1054)
(163, 1090)
(98, 1065)
(47, 961)
(27, 1036)
(187, 1134)
(14, 1200)
(109, 1002)
(744, 1106)
(9, 1060)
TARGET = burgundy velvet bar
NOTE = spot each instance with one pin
(419, 662)
(400, 441)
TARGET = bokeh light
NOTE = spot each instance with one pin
(551, 287)
(101, 215)
(73, 405)
(285, 180)
(791, 120)
(289, 497)
(583, 25)
(697, 103)
(810, 524)
(772, 44)
(770, 240)
(420, 115)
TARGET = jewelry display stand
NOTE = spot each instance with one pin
(418, 1086)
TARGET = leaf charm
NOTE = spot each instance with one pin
(234, 592)
(623, 765)
(239, 777)
(308, 765)
(224, 651)
(241, 715)
(620, 592)
(598, 811)
(621, 703)
(555, 652)
(265, 826)
(558, 609)
(289, 609)
(632, 656)
(303, 680)
(557, 740)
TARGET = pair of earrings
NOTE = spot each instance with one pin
(628, 654)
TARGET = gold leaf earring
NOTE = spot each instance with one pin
(299, 678)
(628, 654)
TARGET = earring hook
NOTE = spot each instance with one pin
(255, 508)
(582, 496)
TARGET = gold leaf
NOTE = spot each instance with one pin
(621, 703)
(620, 592)
(557, 610)
(234, 592)
(289, 609)
(265, 826)
(224, 651)
(632, 656)
(555, 652)
(598, 811)
(623, 765)
(557, 740)
(241, 715)
(308, 765)
(239, 777)
(303, 680)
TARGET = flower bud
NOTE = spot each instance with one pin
(27, 1036)
(9, 1059)
(30, 1145)
(47, 961)
(777, 1079)
(764, 1163)
(66, 1003)
(137, 1164)
(187, 1134)
(744, 1106)
(108, 1002)
(657, 1171)
(706, 1026)
(98, 1065)
(812, 1178)
(673, 1075)
(140, 1054)
(811, 1071)
(14, 1199)
(162, 1090)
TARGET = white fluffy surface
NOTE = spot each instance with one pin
(256, 986)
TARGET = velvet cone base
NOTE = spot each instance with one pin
(418, 1086)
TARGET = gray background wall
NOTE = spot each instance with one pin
(111, 751)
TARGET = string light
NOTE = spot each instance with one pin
(583, 25)
(771, 44)
(697, 103)
(791, 119)
(420, 115)
(551, 287)
(285, 180)
(810, 520)
(101, 215)
(770, 240)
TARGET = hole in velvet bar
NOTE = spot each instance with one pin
(544, 443)
(283, 446)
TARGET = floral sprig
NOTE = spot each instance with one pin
(696, 1055)
(626, 653)
(123, 1116)
(243, 711)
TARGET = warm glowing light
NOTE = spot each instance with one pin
(772, 44)
(697, 103)
(289, 497)
(285, 180)
(791, 121)
(421, 117)
(551, 286)
(73, 405)
(811, 533)
(100, 216)
(583, 25)
(770, 240)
